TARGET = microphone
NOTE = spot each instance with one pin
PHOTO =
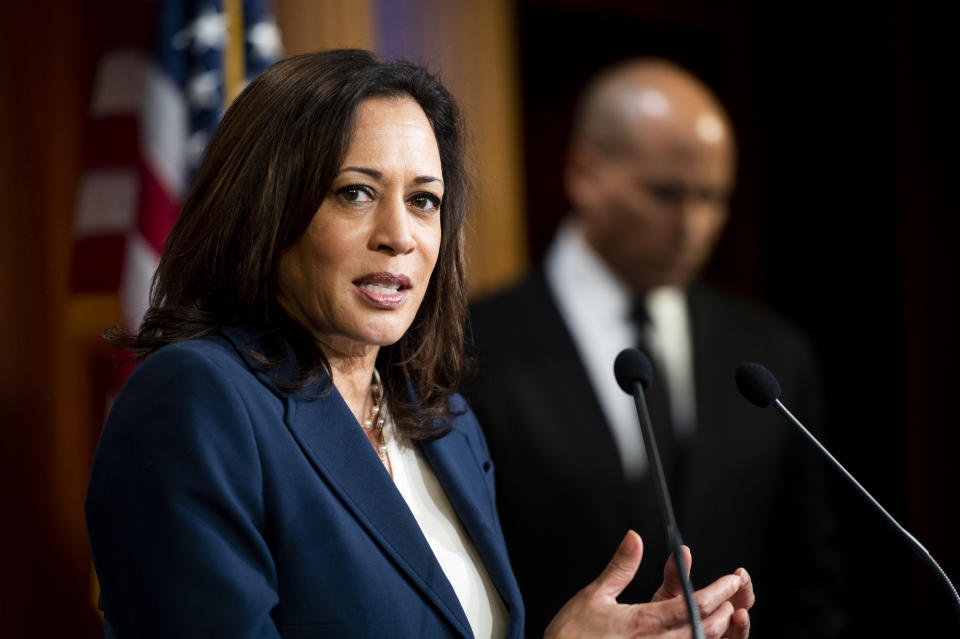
(761, 388)
(634, 372)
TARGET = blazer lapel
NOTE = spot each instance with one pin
(570, 413)
(714, 361)
(331, 438)
(336, 446)
(465, 487)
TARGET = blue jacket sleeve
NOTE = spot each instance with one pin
(175, 504)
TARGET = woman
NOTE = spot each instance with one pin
(290, 459)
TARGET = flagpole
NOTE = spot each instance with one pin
(234, 71)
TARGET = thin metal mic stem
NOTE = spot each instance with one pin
(922, 552)
(666, 508)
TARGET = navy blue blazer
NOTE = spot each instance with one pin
(222, 506)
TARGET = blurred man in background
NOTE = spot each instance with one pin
(649, 173)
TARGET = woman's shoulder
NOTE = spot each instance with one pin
(215, 356)
(196, 374)
(210, 351)
(461, 415)
(463, 421)
(196, 395)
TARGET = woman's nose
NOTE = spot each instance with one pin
(393, 232)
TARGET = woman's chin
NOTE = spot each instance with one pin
(359, 342)
(380, 334)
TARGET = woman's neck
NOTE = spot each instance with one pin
(352, 375)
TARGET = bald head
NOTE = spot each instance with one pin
(645, 98)
(650, 170)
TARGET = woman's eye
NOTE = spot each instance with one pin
(425, 201)
(355, 193)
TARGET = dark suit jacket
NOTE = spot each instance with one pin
(223, 506)
(753, 493)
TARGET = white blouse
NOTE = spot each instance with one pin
(449, 541)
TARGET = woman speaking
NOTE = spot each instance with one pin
(291, 459)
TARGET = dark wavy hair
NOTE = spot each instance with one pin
(264, 175)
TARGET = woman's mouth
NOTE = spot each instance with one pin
(383, 290)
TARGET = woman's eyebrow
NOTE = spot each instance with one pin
(377, 175)
(361, 169)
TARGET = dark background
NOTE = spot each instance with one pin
(844, 220)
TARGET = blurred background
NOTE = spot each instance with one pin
(844, 219)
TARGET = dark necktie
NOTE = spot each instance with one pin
(658, 401)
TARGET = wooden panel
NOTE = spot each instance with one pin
(311, 25)
(479, 64)
(471, 45)
(44, 547)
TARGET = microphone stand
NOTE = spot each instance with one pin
(666, 508)
(912, 541)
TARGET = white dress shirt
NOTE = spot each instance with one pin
(596, 308)
(450, 543)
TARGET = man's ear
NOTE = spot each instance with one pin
(582, 176)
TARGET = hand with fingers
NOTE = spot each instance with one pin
(742, 600)
(594, 611)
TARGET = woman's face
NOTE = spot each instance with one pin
(357, 276)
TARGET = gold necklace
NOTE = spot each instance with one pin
(377, 420)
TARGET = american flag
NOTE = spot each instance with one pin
(152, 113)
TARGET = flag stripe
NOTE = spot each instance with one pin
(113, 142)
(164, 131)
(96, 262)
(107, 202)
(139, 264)
(158, 211)
(118, 88)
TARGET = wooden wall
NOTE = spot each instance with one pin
(44, 443)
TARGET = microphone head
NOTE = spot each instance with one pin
(757, 384)
(630, 367)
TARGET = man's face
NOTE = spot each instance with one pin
(656, 213)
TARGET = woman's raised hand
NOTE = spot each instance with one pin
(595, 612)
